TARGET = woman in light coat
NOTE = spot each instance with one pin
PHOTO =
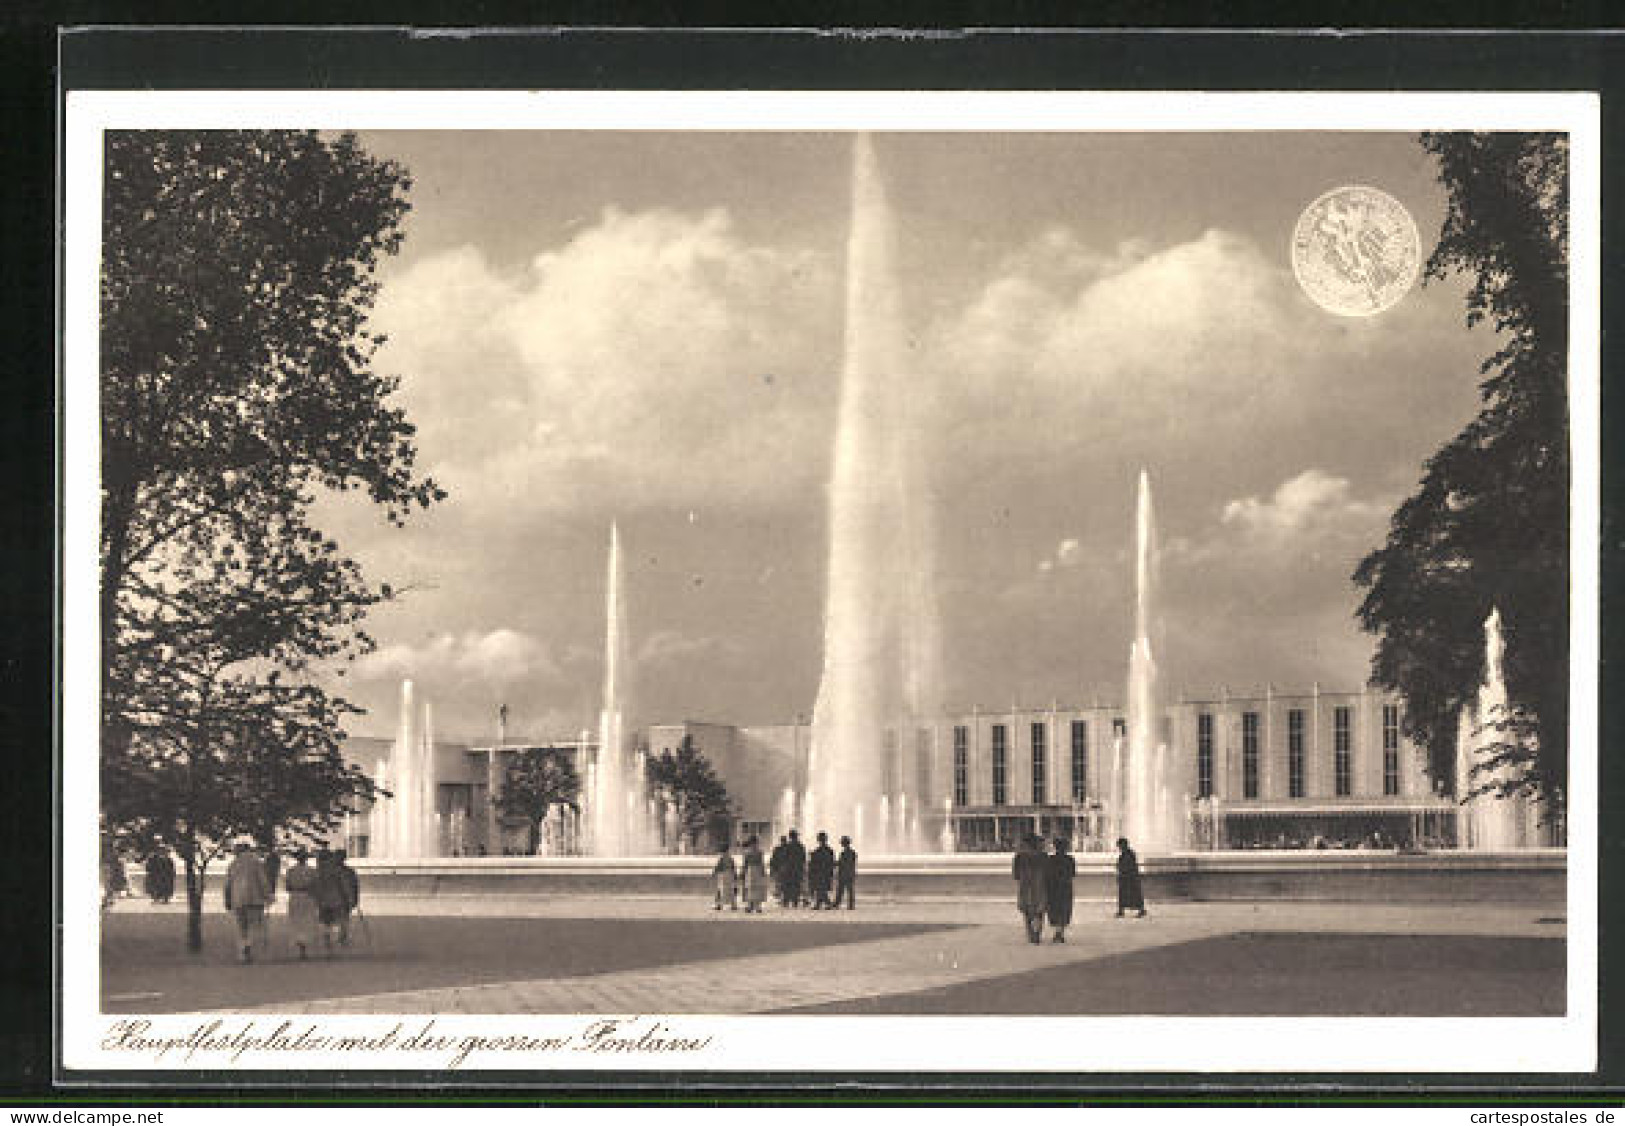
(300, 883)
(755, 877)
(724, 875)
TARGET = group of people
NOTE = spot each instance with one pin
(1044, 885)
(799, 878)
(321, 898)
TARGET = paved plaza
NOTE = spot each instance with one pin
(662, 955)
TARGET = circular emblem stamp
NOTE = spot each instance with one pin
(1355, 251)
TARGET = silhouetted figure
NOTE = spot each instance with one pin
(725, 876)
(1130, 894)
(1059, 870)
(795, 869)
(247, 892)
(846, 875)
(776, 870)
(160, 876)
(1029, 869)
(332, 898)
(352, 892)
(820, 873)
(755, 877)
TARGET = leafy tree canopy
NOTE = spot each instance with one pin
(538, 779)
(685, 779)
(236, 385)
(1488, 525)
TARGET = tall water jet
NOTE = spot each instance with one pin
(404, 830)
(1488, 821)
(616, 798)
(403, 825)
(431, 842)
(1147, 819)
(880, 617)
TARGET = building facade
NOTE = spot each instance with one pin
(1263, 770)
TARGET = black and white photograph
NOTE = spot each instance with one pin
(683, 580)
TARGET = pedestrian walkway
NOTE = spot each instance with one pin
(982, 949)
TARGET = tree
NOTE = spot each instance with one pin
(686, 781)
(1488, 525)
(538, 779)
(238, 272)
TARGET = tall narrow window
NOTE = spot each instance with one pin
(1119, 728)
(1249, 754)
(1204, 755)
(1390, 750)
(1342, 750)
(1080, 760)
(922, 767)
(1040, 734)
(961, 766)
(1294, 752)
(1001, 754)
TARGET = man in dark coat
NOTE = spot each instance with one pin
(776, 871)
(1029, 869)
(820, 873)
(1130, 895)
(352, 891)
(1058, 888)
(846, 875)
(160, 875)
(795, 869)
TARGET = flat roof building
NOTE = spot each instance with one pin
(1259, 769)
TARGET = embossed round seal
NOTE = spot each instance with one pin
(1355, 251)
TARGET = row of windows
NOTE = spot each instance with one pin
(1039, 739)
(1342, 756)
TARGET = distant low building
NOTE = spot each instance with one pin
(1261, 770)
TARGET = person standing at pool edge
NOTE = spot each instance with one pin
(755, 873)
(821, 873)
(846, 875)
(1130, 893)
(1059, 871)
(1029, 869)
(723, 874)
(795, 869)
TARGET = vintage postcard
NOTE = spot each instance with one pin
(774, 581)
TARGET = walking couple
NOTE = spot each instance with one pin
(1044, 886)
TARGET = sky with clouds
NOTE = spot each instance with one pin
(646, 328)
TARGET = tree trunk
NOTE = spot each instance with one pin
(535, 835)
(194, 902)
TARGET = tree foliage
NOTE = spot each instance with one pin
(685, 780)
(538, 779)
(236, 386)
(1488, 525)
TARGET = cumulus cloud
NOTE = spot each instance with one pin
(1072, 356)
(1077, 341)
(498, 658)
(655, 358)
(1313, 503)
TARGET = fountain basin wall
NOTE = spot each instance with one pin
(1533, 876)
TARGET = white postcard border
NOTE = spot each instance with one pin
(915, 1044)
